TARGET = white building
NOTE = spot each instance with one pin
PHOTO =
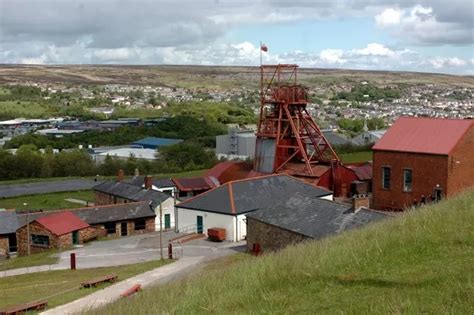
(226, 206)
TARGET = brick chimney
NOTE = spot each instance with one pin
(120, 175)
(359, 201)
(148, 182)
(137, 172)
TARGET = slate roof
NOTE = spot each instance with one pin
(97, 214)
(424, 135)
(61, 223)
(314, 217)
(334, 138)
(159, 183)
(242, 196)
(131, 192)
(8, 222)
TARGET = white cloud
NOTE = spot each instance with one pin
(332, 56)
(389, 17)
(374, 49)
(116, 54)
(420, 25)
(442, 62)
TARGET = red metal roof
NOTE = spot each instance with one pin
(194, 183)
(363, 172)
(62, 223)
(424, 135)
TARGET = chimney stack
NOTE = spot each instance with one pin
(137, 172)
(359, 201)
(148, 182)
(120, 175)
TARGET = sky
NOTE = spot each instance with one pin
(404, 35)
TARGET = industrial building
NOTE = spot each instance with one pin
(421, 160)
(300, 218)
(236, 145)
(226, 206)
(155, 143)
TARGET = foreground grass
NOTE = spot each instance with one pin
(356, 157)
(44, 258)
(419, 262)
(49, 285)
(48, 201)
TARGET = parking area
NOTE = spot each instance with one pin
(141, 248)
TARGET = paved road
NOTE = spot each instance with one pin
(16, 190)
(132, 250)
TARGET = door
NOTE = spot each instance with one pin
(199, 224)
(75, 238)
(12, 243)
(123, 229)
(167, 221)
(438, 194)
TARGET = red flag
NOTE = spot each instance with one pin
(264, 47)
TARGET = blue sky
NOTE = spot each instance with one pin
(413, 35)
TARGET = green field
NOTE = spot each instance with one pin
(47, 201)
(44, 258)
(421, 262)
(23, 109)
(356, 157)
(50, 285)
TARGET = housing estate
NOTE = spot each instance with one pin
(422, 159)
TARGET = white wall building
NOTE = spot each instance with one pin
(226, 206)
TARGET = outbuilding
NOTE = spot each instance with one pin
(301, 218)
(226, 206)
(58, 230)
(420, 160)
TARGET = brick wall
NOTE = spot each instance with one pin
(270, 237)
(4, 245)
(428, 170)
(35, 228)
(106, 199)
(89, 233)
(461, 165)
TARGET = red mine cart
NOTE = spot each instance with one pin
(216, 234)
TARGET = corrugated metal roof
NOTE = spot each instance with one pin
(62, 223)
(194, 183)
(424, 135)
(159, 142)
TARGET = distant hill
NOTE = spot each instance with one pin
(210, 77)
(419, 262)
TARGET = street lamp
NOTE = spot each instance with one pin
(28, 227)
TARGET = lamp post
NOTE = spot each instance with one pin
(28, 227)
(161, 231)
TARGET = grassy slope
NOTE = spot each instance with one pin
(420, 262)
(36, 286)
(356, 157)
(45, 258)
(48, 201)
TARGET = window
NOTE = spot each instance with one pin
(407, 180)
(140, 224)
(40, 240)
(386, 177)
(110, 227)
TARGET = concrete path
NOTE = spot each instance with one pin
(80, 202)
(112, 293)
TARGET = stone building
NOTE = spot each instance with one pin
(8, 226)
(420, 160)
(300, 218)
(58, 230)
(120, 192)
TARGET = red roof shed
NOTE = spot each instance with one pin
(62, 223)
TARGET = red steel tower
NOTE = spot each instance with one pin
(288, 139)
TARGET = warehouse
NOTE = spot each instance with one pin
(156, 143)
(421, 160)
(226, 206)
(302, 218)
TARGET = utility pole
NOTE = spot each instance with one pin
(175, 211)
(28, 227)
(161, 231)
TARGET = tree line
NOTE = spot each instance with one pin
(30, 162)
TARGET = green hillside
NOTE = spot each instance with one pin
(419, 262)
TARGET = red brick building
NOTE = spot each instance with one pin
(421, 160)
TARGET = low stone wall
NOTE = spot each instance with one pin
(270, 237)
